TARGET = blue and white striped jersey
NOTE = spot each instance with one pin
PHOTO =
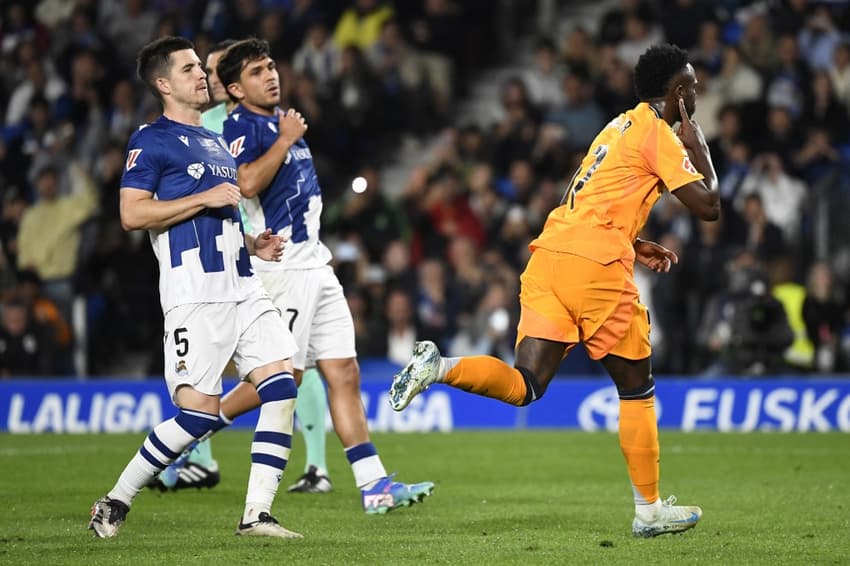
(202, 259)
(292, 204)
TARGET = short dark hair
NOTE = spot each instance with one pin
(237, 56)
(154, 59)
(656, 67)
(221, 45)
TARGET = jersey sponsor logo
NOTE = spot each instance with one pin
(132, 156)
(688, 166)
(237, 146)
(184, 139)
(220, 171)
(300, 153)
(195, 170)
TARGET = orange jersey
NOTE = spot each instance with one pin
(629, 164)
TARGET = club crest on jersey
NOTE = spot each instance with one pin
(688, 166)
(237, 146)
(181, 369)
(195, 170)
(132, 156)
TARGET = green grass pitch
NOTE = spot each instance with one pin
(525, 498)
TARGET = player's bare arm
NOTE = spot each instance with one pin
(266, 246)
(140, 211)
(654, 256)
(701, 197)
(256, 176)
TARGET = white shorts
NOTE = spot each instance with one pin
(201, 338)
(312, 303)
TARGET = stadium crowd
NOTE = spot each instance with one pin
(764, 290)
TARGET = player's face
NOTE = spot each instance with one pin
(689, 89)
(187, 82)
(260, 84)
(218, 93)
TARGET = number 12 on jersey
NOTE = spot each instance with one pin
(600, 152)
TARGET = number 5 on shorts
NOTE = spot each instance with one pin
(182, 342)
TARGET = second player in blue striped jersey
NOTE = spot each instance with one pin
(291, 205)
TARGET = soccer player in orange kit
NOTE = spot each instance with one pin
(579, 284)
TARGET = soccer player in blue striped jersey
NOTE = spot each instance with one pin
(197, 467)
(179, 184)
(276, 173)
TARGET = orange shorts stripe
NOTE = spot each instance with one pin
(568, 298)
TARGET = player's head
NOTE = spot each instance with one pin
(249, 74)
(172, 70)
(218, 93)
(664, 73)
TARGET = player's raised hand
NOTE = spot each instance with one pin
(689, 131)
(291, 125)
(269, 246)
(654, 256)
(221, 195)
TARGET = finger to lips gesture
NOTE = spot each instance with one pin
(689, 131)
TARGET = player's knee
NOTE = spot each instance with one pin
(277, 387)
(196, 423)
(342, 375)
(534, 387)
(643, 391)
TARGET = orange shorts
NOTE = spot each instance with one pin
(568, 298)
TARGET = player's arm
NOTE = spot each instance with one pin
(140, 211)
(266, 246)
(255, 176)
(701, 197)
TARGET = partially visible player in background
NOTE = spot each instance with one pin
(178, 184)
(276, 174)
(579, 284)
(197, 468)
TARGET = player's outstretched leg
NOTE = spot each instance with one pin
(422, 370)
(665, 517)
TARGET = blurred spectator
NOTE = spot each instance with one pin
(612, 28)
(819, 39)
(40, 80)
(129, 25)
(737, 82)
(436, 321)
(400, 329)
(579, 115)
(615, 91)
(360, 25)
(26, 347)
(49, 236)
(839, 73)
(544, 78)
(757, 45)
(782, 196)
(823, 317)
(709, 49)
(318, 57)
(791, 294)
(764, 238)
